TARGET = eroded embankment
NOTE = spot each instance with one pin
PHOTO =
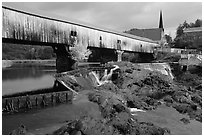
(135, 87)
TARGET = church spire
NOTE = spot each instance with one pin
(161, 21)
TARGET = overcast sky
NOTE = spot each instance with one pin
(120, 16)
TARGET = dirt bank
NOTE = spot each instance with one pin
(143, 90)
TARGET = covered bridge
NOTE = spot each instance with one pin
(28, 28)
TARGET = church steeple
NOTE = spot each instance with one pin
(161, 21)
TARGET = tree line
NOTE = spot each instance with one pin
(182, 40)
(22, 52)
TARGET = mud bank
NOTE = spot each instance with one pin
(135, 90)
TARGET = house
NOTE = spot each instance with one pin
(194, 35)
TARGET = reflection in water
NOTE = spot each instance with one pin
(21, 72)
(19, 78)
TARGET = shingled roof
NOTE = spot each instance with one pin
(153, 33)
(196, 29)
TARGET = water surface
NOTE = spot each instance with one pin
(26, 78)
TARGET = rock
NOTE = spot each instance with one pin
(146, 91)
(20, 131)
(145, 128)
(168, 99)
(75, 132)
(197, 99)
(194, 107)
(197, 115)
(137, 102)
(109, 86)
(78, 125)
(119, 108)
(96, 126)
(78, 133)
(70, 128)
(150, 101)
(182, 108)
(168, 104)
(185, 120)
(129, 70)
(63, 130)
(198, 87)
(134, 88)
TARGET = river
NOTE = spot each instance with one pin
(22, 78)
(42, 121)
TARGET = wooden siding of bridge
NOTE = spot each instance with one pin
(28, 27)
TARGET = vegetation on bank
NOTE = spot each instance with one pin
(24, 52)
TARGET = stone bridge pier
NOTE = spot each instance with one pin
(64, 60)
(119, 55)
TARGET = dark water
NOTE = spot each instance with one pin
(26, 78)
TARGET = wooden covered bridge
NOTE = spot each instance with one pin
(21, 27)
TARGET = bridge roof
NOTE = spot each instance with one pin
(53, 17)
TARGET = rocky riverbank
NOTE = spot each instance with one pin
(134, 89)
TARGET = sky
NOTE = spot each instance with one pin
(120, 16)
